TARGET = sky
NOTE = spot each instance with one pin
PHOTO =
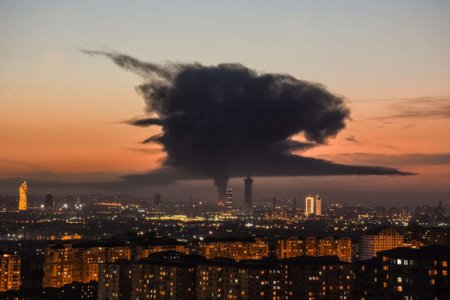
(63, 112)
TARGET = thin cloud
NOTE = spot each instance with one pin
(351, 138)
(419, 108)
(145, 151)
(394, 160)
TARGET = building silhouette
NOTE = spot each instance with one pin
(404, 273)
(248, 191)
(157, 199)
(49, 202)
(229, 198)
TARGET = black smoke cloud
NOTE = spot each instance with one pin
(228, 120)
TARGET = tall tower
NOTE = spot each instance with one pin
(157, 199)
(23, 196)
(229, 199)
(318, 206)
(49, 202)
(309, 205)
(248, 191)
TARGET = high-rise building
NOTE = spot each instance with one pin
(75, 290)
(65, 264)
(9, 271)
(114, 281)
(247, 280)
(229, 198)
(318, 206)
(234, 249)
(294, 278)
(309, 205)
(405, 273)
(157, 198)
(310, 246)
(313, 205)
(166, 275)
(163, 278)
(145, 251)
(170, 275)
(385, 240)
(326, 247)
(344, 249)
(319, 278)
(290, 247)
(49, 202)
(248, 192)
(23, 196)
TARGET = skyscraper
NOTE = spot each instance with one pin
(229, 199)
(318, 206)
(157, 198)
(49, 202)
(313, 205)
(23, 196)
(9, 271)
(309, 205)
(387, 239)
(248, 191)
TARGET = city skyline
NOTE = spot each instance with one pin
(74, 138)
(210, 150)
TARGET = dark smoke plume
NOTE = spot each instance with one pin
(227, 120)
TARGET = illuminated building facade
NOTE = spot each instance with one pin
(344, 249)
(75, 290)
(114, 281)
(224, 279)
(65, 264)
(9, 272)
(229, 198)
(319, 278)
(318, 206)
(236, 250)
(296, 278)
(171, 275)
(23, 205)
(326, 247)
(309, 205)
(310, 246)
(313, 205)
(165, 275)
(290, 247)
(385, 240)
(405, 273)
(146, 251)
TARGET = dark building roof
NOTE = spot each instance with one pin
(428, 252)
